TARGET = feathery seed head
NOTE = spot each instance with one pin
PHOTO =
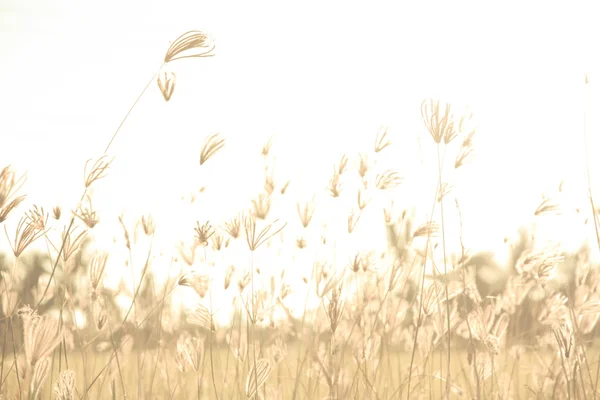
(254, 239)
(87, 214)
(381, 141)
(261, 206)
(219, 242)
(388, 179)
(353, 219)
(29, 229)
(306, 211)
(257, 376)
(148, 225)
(199, 282)
(203, 233)
(97, 266)
(56, 212)
(192, 44)
(440, 125)
(211, 146)
(71, 242)
(201, 317)
(229, 276)
(41, 335)
(10, 184)
(64, 388)
(465, 151)
(232, 227)
(363, 165)
(40, 372)
(96, 171)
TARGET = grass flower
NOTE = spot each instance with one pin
(41, 335)
(266, 149)
(465, 151)
(257, 376)
(56, 212)
(87, 214)
(444, 190)
(204, 233)
(285, 187)
(228, 276)
(439, 124)
(388, 179)
(261, 206)
(96, 171)
(10, 184)
(71, 242)
(37, 217)
(201, 317)
(427, 229)
(548, 207)
(125, 232)
(40, 372)
(29, 229)
(335, 186)
(148, 225)
(381, 141)
(99, 314)
(192, 44)
(198, 282)
(232, 227)
(64, 388)
(97, 267)
(306, 212)
(362, 199)
(166, 84)
(211, 146)
(254, 239)
(353, 219)
(301, 242)
(219, 242)
(363, 165)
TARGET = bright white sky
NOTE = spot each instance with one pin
(322, 77)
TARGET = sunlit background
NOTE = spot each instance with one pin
(320, 78)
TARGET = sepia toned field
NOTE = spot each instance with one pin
(352, 291)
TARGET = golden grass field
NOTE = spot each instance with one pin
(284, 299)
(161, 382)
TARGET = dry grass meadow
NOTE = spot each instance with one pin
(414, 318)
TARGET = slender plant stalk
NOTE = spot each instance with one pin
(160, 332)
(251, 343)
(16, 363)
(131, 109)
(210, 337)
(445, 270)
(422, 289)
(4, 339)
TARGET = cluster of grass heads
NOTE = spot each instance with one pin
(417, 320)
